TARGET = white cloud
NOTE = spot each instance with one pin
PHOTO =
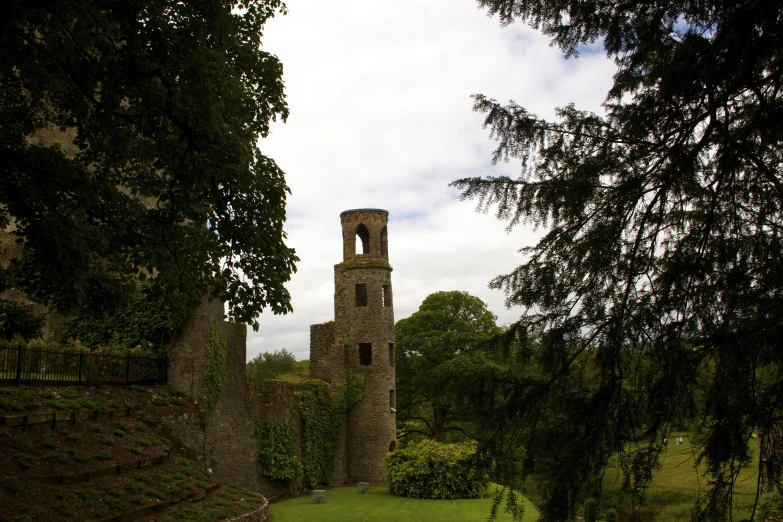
(381, 117)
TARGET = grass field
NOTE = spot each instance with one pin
(674, 489)
(345, 504)
(676, 486)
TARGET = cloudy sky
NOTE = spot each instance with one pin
(379, 93)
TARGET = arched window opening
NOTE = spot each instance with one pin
(386, 298)
(391, 354)
(384, 243)
(393, 445)
(392, 400)
(363, 235)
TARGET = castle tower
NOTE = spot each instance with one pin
(364, 327)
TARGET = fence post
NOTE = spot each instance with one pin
(127, 369)
(81, 359)
(19, 365)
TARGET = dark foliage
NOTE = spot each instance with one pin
(657, 291)
(16, 321)
(128, 151)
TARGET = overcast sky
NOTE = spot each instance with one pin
(381, 117)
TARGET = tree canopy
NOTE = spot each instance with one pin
(434, 346)
(662, 256)
(268, 365)
(129, 151)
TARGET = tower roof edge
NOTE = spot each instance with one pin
(364, 210)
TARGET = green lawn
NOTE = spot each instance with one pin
(676, 485)
(345, 504)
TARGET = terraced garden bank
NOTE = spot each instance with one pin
(70, 453)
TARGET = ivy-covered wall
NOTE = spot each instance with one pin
(207, 363)
(288, 437)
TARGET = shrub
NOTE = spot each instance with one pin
(81, 456)
(57, 456)
(22, 443)
(771, 505)
(26, 460)
(431, 469)
(100, 439)
(610, 515)
(591, 507)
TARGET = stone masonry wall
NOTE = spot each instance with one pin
(322, 355)
(225, 442)
(370, 428)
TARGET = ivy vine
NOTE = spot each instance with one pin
(323, 412)
(214, 372)
(277, 450)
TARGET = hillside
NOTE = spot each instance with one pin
(70, 453)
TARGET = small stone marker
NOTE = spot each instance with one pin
(319, 496)
(364, 487)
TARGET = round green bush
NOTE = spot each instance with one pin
(435, 470)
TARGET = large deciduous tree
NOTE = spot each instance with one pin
(434, 347)
(129, 150)
(663, 256)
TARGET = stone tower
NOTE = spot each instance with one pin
(362, 337)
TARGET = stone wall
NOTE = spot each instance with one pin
(363, 322)
(324, 353)
(370, 427)
(361, 337)
(225, 441)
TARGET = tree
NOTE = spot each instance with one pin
(128, 149)
(266, 365)
(663, 256)
(434, 347)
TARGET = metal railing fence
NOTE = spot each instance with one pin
(37, 367)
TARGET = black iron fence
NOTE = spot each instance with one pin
(34, 367)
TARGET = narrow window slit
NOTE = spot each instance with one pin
(365, 354)
(361, 294)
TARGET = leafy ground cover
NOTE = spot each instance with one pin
(345, 504)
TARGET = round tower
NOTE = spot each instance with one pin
(364, 326)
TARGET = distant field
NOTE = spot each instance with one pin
(676, 486)
(345, 504)
(674, 489)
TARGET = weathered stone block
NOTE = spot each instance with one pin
(318, 496)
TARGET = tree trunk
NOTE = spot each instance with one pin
(438, 422)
